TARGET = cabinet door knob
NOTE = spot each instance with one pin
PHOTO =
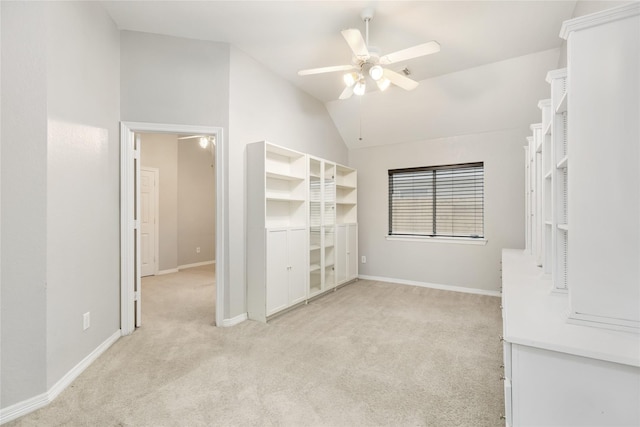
(502, 417)
(502, 377)
(501, 338)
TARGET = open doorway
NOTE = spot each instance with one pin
(177, 198)
(188, 242)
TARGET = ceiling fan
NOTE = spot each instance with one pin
(367, 59)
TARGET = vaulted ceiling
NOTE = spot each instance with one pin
(287, 36)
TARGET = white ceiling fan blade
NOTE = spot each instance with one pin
(400, 80)
(346, 93)
(411, 52)
(325, 70)
(356, 43)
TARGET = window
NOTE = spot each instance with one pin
(443, 201)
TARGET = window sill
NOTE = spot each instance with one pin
(455, 240)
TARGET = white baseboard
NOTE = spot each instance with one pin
(75, 372)
(234, 320)
(26, 406)
(19, 409)
(432, 285)
(168, 271)
(196, 264)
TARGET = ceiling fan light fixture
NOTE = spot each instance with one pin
(383, 84)
(350, 79)
(376, 72)
(360, 87)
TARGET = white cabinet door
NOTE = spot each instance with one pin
(352, 251)
(297, 254)
(277, 271)
(341, 254)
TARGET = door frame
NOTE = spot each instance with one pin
(128, 227)
(156, 225)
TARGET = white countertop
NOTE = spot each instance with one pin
(536, 317)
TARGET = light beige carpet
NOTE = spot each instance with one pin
(370, 354)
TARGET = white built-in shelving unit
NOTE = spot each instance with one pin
(571, 339)
(296, 249)
(546, 243)
(559, 178)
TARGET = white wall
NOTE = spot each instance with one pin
(461, 265)
(60, 196)
(83, 205)
(161, 151)
(263, 106)
(466, 122)
(196, 203)
(173, 80)
(24, 209)
(176, 81)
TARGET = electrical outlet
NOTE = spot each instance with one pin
(86, 320)
(198, 250)
(364, 259)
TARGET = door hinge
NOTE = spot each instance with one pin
(136, 154)
(136, 224)
(136, 296)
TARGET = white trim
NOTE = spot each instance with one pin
(481, 241)
(432, 285)
(19, 409)
(75, 372)
(127, 130)
(196, 264)
(169, 271)
(599, 18)
(34, 403)
(603, 322)
(560, 73)
(235, 320)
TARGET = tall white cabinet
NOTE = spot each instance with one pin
(301, 228)
(604, 172)
(276, 229)
(571, 339)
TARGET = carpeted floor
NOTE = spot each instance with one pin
(370, 354)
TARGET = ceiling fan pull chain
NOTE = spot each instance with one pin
(366, 30)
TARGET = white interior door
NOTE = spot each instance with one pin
(148, 221)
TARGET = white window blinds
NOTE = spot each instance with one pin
(445, 201)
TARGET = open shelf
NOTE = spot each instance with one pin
(285, 177)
